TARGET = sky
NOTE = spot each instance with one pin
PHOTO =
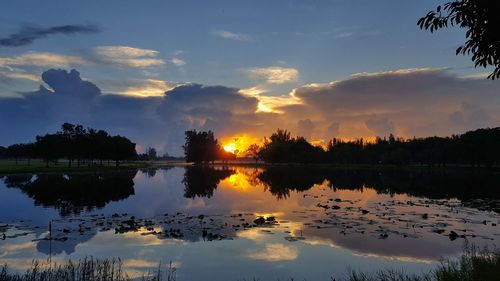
(150, 70)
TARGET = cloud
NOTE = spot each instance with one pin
(158, 120)
(27, 35)
(125, 56)
(380, 126)
(275, 252)
(333, 129)
(231, 35)
(42, 59)
(305, 128)
(418, 102)
(136, 87)
(274, 74)
(18, 75)
(411, 102)
(469, 115)
(177, 62)
(269, 104)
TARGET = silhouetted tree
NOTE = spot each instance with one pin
(122, 149)
(73, 142)
(151, 152)
(476, 148)
(253, 152)
(480, 18)
(200, 147)
(225, 156)
(3, 152)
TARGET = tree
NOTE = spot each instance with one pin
(480, 18)
(253, 151)
(122, 149)
(201, 147)
(152, 154)
(3, 152)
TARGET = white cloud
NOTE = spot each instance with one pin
(136, 87)
(275, 252)
(42, 59)
(231, 35)
(177, 61)
(128, 56)
(267, 103)
(17, 74)
(274, 74)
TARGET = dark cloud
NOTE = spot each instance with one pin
(380, 126)
(416, 102)
(433, 102)
(27, 35)
(305, 128)
(158, 121)
(469, 115)
(334, 129)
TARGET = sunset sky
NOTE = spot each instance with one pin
(150, 70)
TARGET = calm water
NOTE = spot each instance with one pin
(317, 223)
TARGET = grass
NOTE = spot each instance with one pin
(473, 265)
(88, 269)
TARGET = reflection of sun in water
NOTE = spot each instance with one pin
(237, 181)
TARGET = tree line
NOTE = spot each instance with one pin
(474, 148)
(76, 144)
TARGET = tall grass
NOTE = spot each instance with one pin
(473, 265)
(87, 269)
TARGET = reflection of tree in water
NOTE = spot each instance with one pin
(203, 180)
(461, 184)
(74, 193)
(281, 180)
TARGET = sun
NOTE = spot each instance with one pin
(238, 144)
(231, 148)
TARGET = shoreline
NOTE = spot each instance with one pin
(36, 166)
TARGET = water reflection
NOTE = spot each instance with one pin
(73, 193)
(355, 217)
(464, 185)
(201, 181)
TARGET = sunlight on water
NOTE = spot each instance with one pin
(267, 223)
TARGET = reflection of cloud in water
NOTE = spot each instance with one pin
(7, 249)
(398, 258)
(275, 252)
(245, 191)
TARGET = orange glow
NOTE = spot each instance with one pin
(238, 144)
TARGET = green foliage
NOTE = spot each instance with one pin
(480, 18)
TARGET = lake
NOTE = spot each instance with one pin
(240, 223)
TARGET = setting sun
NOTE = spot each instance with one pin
(238, 144)
(231, 148)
